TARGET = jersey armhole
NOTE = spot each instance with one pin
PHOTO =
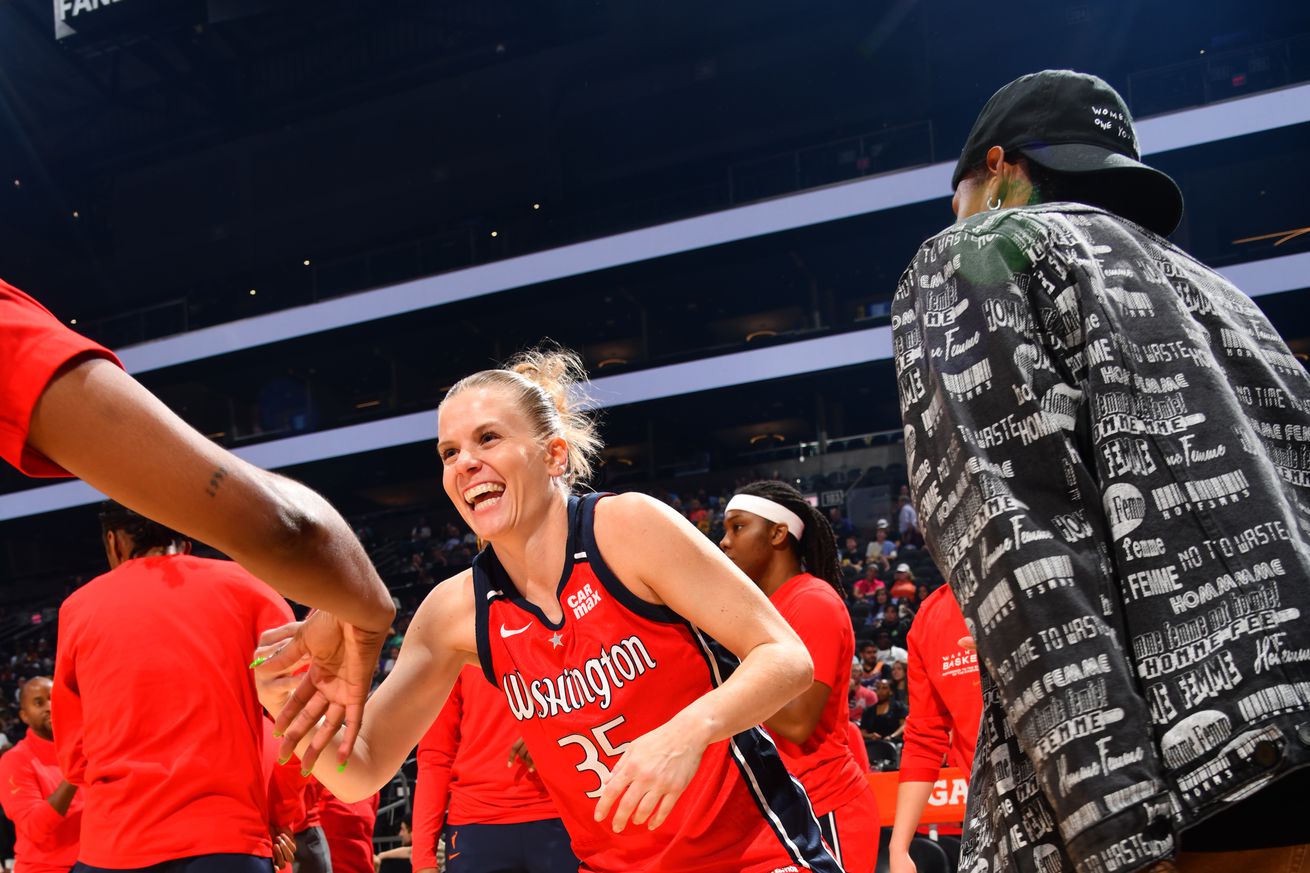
(612, 583)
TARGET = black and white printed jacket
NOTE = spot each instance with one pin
(1109, 448)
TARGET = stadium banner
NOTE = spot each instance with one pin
(945, 804)
(114, 21)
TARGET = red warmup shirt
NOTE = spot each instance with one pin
(312, 796)
(824, 763)
(47, 841)
(462, 767)
(945, 696)
(33, 346)
(349, 831)
(155, 712)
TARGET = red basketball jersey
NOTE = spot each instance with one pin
(824, 763)
(614, 668)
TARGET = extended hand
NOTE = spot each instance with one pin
(284, 849)
(342, 659)
(519, 751)
(649, 778)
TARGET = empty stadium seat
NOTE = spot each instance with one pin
(929, 857)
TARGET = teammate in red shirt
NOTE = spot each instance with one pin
(590, 615)
(945, 709)
(774, 536)
(497, 817)
(167, 746)
(312, 855)
(349, 831)
(45, 809)
(66, 406)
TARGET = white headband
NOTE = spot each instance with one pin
(768, 510)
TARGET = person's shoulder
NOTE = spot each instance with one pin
(17, 759)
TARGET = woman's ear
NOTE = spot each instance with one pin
(557, 456)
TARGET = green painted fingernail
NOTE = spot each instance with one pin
(284, 760)
(341, 768)
(255, 663)
(305, 773)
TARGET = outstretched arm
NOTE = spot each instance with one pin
(98, 423)
(439, 642)
(101, 425)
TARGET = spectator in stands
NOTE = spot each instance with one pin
(111, 741)
(900, 684)
(45, 808)
(871, 669)
(903, 585)
(852, 553)
(859, 697)
(698, 515)
(869, 583)
(888, 652)
(495, 817)
(885, 720)
(945, 707)
(881, 551)
(841, 525)
(907, 520)
(404, 851)
(68, 407)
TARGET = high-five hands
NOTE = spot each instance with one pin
(341, 660)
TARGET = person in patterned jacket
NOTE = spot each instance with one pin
(1109, 447)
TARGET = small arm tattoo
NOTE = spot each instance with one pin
(216, 481)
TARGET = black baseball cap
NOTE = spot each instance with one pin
(1078, 126)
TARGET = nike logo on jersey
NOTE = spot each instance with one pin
(506, 633)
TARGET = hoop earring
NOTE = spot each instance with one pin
(994, 206)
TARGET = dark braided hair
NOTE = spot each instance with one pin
(818, 545)
(145, 534)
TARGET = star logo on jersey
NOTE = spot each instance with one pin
(556, 641)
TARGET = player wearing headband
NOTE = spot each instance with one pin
(590, 615)
(788, 549)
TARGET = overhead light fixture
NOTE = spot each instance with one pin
(76, 214)
(495, 233)
(367, 404)
(536, 206)
(72, 321)
(1282, 235)
(610, 362)
(756, 334)
(252, 292)
(306, 262)
(18, 183)
(217, 434)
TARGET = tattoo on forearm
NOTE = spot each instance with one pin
(216, 481)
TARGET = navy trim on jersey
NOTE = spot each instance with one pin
(622, 593)
(490, 582)
(779, 796)
(483, 594)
